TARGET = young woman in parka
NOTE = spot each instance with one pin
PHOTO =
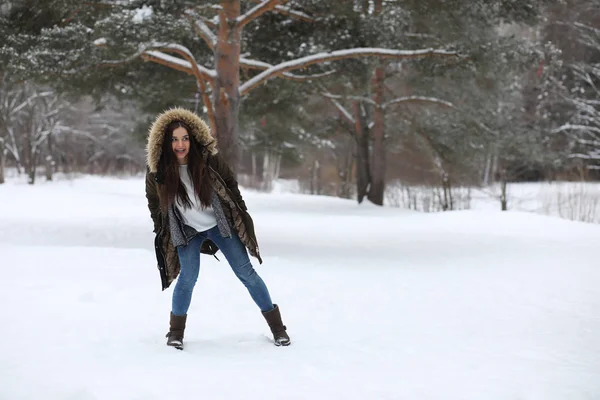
(196, 207)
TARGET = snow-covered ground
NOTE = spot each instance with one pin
(381, 303)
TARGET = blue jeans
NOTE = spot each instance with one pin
(235, 253)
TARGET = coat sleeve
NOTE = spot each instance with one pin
(229, 178)
(153, 202)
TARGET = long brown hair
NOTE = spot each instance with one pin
(168, 165)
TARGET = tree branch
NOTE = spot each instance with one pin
(147, 53)
(291, 13)
(343, 112)
(340, 97)
(417, 99)
(201, 28)
(208, 103)
(168, 61)
(189, 65)
(575, 127)
(210, 22)
(201, 74)
(338, 55)
(257, 11)
(255, 64)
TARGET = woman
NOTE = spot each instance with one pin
(196, 207)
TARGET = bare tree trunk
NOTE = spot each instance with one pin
(49, 166)
(2, 161)
(448, 199)
(315, 178)
(265, 169)
(226, 95)
(378, 7)
(347, 182)
(27, 154)
(487, 170)
(377, 188)
(345, 171)
(277, 168)
(363, 173)
(445, 204)
(270, 169)
(254, 179)
(33, 167)
(366, 4)
(503, 190)
(494, 171)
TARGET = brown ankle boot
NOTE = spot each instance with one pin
(177, 327)
(280, 337)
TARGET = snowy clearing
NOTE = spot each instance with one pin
(381, 303)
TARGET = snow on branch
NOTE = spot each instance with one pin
(334, 100)
(338, 55)
(417, 99)
(294, 14)
(28, 101)
(153, 52)
(170, 61)
(570, 127)
(343, 111)
(589, 35)
(359, 98)
(189, 65)
(257, 11)
(255, 64)
(201, 28)
(591, 156)
(291, 13)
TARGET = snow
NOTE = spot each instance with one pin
(381, 303)
(100, 42)
(142, 14)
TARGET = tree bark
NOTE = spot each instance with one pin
(366, 4)
(346, 175)
(49, 166)
(363, 173)
(2, 161)
(226, 95)
(33, 167)
(315, 178)
(254, 178)
(378, 7)
(344, 163)
(377, 187)
(503, 190)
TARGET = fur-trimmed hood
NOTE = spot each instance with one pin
(200, 132)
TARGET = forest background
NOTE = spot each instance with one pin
(419, 104)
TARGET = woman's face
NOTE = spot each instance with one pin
(181, 144)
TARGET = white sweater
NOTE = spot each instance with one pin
(198, 218)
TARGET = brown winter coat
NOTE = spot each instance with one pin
(223, 183)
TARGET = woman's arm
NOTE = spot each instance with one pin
(222, 168)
